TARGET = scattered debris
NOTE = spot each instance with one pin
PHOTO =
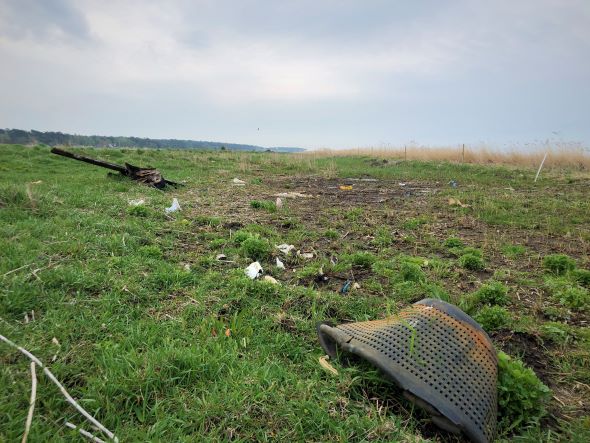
(175, 206)
(345, 187)
(345, 287)
(285, 248)
(293, 195)
(453, 184)
(355, 285)
(280, 264)
(362, 179)
(457, 202)
(279, 203)
(254, 270)
(327, 366)
(137, 202)
(228, 332)
(305, 255)
(221, 257)
(270, 279)
(186, 267)
(236, 181)
(147, 176)
(402, 184)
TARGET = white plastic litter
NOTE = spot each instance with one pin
(254, 270)
(356, 286)
(270, 279)
(137, 202)
(306, 255)
(280, 264)
(221, 257)
(175, 206)
(279, 203)
(237, 181)
(285, 248)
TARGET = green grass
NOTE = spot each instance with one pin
(141, 308)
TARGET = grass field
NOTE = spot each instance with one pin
(161, 341)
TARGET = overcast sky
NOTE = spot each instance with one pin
(317, 73)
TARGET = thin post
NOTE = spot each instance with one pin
(405, 152)
(540, 167)
(463, 154)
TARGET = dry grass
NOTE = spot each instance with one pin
(558, 156)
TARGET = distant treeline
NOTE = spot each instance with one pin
(32, 137)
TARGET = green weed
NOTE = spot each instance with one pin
(492, 318)
(559, 264)
(522, 397)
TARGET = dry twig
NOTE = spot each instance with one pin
(31, 402)
(65, 393)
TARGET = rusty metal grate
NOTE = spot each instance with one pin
(441, 357)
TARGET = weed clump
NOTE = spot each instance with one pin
(582, 276)
(264, 204)
(472, 262)
(453, 242)
(559, 264)
(556, 332)
(240, 236)
(139, 211)
(412, 272)
(331, 234)
(522, 397)
(513, 251)
(573, 297)
(256, 248)
(493, 293)
(361, 259)
(151, 251)
(492, 318)
(568, 294)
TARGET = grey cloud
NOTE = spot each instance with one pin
(42, 19)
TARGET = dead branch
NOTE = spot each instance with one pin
(65, 393)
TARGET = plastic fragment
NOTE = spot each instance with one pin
(280, 264)
(175, 206)
(238, 182)
(285, 248)
(356, 286)
(453, 184)
(345, 287)
(254, 270)
(137, 202)
(327, 366)
(279, 203)
(221, 257)
(345, 187)
(306, 255)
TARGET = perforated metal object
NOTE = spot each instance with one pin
(442, 359)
